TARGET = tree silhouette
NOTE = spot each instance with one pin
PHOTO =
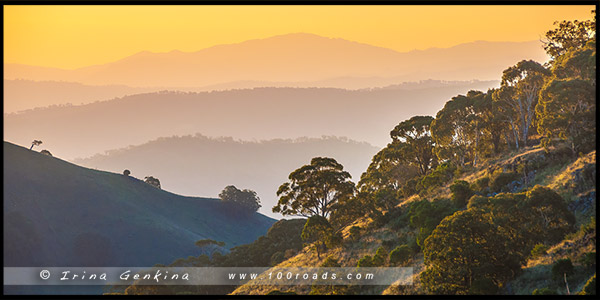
(35, 143)
(46, 152)
(126, 172)
(152, 181)
(245, 199)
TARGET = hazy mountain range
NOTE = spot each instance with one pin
(202, 166)
(21, 94)
(261, 113)
(298, 57)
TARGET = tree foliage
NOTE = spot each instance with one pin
(317, 230)
(425, 216)
(567, 108)
(461, 192)
(35, 143)
(46, 152)
(400, 255)
(492, 238)
(417, 144)
(314, 189)
(569, 35)
(463, 248)
(246, 199)
(152, 181)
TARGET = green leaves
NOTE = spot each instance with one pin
(418, 145)
(491, 239)
(314, 189)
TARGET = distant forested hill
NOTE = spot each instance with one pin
(260, 113)
(198, 165)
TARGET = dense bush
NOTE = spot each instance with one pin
(539, 250)
(461, 192)
(365, 262)
(561, 267)
(425, 216)
(276, 258)
(380, 257)
(589, 259)
(481, 185)
(440, 176)
(400, 255)
(354, 233)
(500, 180)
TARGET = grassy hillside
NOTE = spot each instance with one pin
(60, 214)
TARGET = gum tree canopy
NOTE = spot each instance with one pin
(315, 189)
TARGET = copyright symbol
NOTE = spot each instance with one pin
(45, 274)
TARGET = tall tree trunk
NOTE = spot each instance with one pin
(515, 133)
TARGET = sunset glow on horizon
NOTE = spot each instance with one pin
(77, 36)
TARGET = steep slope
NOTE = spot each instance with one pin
(261, 113)
(294, 57)
(573, 178)
(60, 214)
(197, 165)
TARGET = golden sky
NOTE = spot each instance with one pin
(77, 36)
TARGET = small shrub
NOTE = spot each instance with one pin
(400, 255)
(589, 227)
(289, 253)
(276, 258)
(46, 152)
(544, 291)
(380, 257)
(388, 244)
(561, 267)
(354, 233)
(477, 201)
(461, 192)
(539, 250)
(365, 262)
(501, 180)
(442, 174)
(330, 262)
(589, 259)
(481, 185)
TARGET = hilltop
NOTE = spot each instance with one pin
(60, 214)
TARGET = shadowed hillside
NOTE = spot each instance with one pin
(60, 214)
